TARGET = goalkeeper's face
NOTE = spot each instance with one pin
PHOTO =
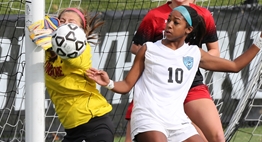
(70, 17)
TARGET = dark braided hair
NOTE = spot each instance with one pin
(199, 28)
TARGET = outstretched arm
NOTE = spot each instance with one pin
(213, 63)
(122, 87)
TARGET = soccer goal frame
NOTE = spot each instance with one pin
(34, 77)
(27, 112)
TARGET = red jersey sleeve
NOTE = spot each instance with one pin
(146, 30)
(152, 25)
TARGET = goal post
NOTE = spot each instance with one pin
(27, 112)
(34, 77)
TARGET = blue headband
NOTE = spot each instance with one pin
(185, 14)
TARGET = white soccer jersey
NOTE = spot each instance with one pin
(160, 92)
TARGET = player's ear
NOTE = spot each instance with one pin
(189, 29)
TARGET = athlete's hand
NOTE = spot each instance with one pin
(99, 76)
(41, 31)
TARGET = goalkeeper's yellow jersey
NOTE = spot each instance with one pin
(75, 97)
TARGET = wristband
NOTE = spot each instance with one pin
(110, 85)
(258, 42)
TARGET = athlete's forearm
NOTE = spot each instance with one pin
(121, 87)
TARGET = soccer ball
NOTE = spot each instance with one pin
(69, 41)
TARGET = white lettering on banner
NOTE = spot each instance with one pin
(253, 65)
(238, 89)
(218, 77)
(20, 79)
(5, 45)
(236, 79)
(100, 57)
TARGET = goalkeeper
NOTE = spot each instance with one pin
(80, 107)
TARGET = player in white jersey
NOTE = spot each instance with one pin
(162, 74)
(154, 90)
(156, 104)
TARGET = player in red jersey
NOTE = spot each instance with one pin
(198, 105)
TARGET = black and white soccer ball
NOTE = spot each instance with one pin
(69, 41)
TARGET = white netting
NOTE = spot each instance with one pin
(237, 96)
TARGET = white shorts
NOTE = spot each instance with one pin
(178, 135)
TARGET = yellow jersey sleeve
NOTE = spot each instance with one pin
(83, 61)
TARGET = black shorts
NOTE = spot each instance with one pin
(98, 129)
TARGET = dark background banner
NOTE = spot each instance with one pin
(235, 27)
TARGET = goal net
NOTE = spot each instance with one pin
(238, 96)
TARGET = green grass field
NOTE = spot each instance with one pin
(245, 135)
(8, 7)
(17, 7)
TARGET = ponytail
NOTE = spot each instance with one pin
(199, 28)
